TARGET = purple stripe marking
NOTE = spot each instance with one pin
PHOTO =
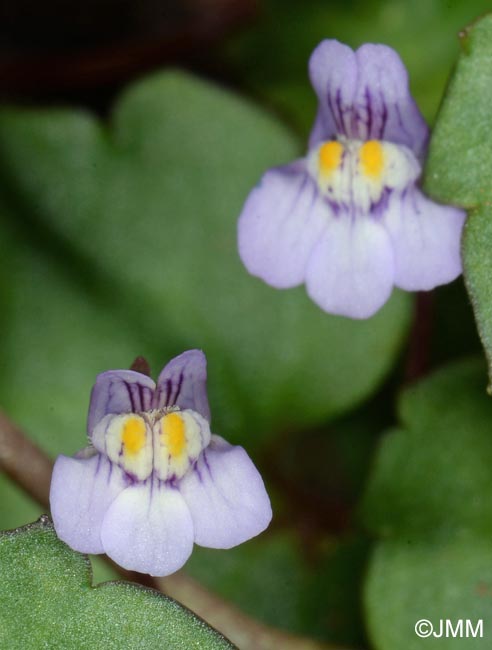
(384, 117)
(178, 388)
(141, 392)
(130, 395)
(169, 387)
(338, 102)
(369, 112)
(338, 125)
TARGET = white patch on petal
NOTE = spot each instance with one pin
(179, 438)
(167, 441)
(354, 175)
(127, 440)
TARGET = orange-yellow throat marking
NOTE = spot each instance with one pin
(133, 436)
(372, 158)
(173, 434)
(330, 156)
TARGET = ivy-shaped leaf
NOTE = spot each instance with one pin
(459, 168)
(47, 601)
(429, 503)
(147, 210)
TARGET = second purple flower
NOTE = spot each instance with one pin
(154, 479)
(348, 220)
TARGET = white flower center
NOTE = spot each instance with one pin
(166, 442)
(355, 176)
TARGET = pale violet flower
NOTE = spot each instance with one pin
(348, 219)
(155, 480)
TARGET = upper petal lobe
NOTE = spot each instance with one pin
(183, 383)
(364, 95)
(119, 391)
(383, 106)
(333, 74)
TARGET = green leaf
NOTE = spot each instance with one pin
(47, 600)
(147, 208)
(459, 168)
(56, 336)
(429, 503)
(446, 579)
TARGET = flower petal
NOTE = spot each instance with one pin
(280, 224)
(426, 241)
(364, 95)
(82, 489)
(119, 391)
(333, 74)
(226, 496)
(351, 270)
(383, 106)
(148, 528)
(183, 383)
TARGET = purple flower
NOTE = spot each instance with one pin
(154, 479)
(348, 219)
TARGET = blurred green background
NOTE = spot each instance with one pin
(130, 137)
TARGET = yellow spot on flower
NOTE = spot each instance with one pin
(173, 434)
(133, 435)
(330, 156)
(372, 158)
